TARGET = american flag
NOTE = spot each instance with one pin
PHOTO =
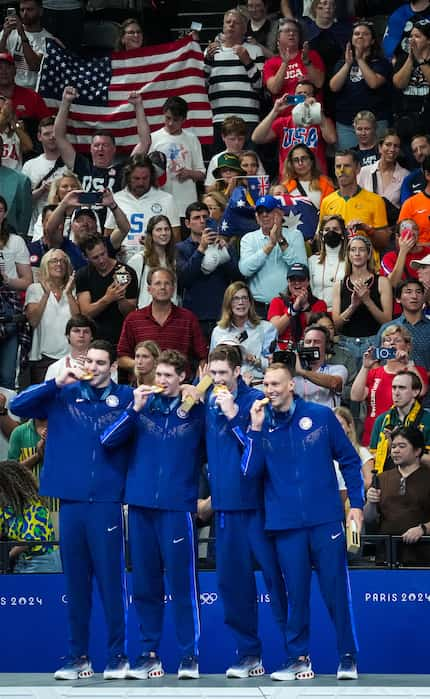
(103, 84)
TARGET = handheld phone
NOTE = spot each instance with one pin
(90, 198)
(294, 99)
(406, 233)
(10, 12)
(385, 353)
(212, 224)
(196, 26)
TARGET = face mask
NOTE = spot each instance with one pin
(332, 238)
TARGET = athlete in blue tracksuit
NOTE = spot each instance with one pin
(238, 503)
(90, 484)
(162, 491)
(294, 443)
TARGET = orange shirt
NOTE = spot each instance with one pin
(417, 208)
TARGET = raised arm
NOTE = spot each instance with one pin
(68, 153)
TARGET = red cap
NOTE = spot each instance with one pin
(4, 56)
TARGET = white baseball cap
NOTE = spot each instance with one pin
(425, 262)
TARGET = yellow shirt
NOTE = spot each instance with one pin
(364, 206)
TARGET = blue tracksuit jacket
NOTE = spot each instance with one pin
(296, 450)
(230, 490)
(76, 467)
(165, 455)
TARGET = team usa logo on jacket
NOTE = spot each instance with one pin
(305, 423)
(112, 401)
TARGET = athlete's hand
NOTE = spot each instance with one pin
(225, 401)
(69, 375)
(257, 415)
(355, 515)
(141, 394)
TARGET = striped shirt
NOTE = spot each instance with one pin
(233, 88)
(181, 331)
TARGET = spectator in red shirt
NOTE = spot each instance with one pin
(279, 125)
(295, 62)
(162, 322)
(290, 312)
(27, 103)
(396, 264)
(373, 382)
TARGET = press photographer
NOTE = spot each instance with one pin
(316, 380)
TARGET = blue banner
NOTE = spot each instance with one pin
(392, 612)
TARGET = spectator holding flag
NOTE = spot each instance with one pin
(102, 171)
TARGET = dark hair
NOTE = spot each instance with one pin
(421, 135)
(375, 48)
(81, 321)
(46, 209)
(168, 271)
(36, 2)
(104, 134)
(321, 329)
(176, 105)
(415, 379)
(412, 434)
(175, 359)
(150, 253)
(195, 206)
(348, 152)
(226, 353)
(46, 121)
(18, 486)
(91, 242)
(319, 315)
(289, 170)
(399, 288)
(105, 346)
(387, 133)
(307, 82)
(135, 161)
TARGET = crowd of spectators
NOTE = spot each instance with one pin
(313, 105)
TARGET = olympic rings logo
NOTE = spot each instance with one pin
(208, 598)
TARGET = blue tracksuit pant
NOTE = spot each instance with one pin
(164, 540)
(240, 542)
(92, 545)
(322, 546)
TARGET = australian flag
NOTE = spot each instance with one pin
(258, 186)
(301, 214)
(239, 216)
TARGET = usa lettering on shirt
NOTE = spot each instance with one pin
(293, 71)
(307, 135)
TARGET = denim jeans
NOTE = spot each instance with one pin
(356, 346)
(45, 563)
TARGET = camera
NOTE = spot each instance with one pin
(307, 355)
(385, 353)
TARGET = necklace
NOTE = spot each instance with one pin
(333, 278)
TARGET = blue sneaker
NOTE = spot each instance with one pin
(347, 669)
(189, 668)
(117, 668)
(148, 666)
(248, 666)
(75, 669)
(295, 669)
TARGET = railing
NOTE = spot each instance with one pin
(377, 551)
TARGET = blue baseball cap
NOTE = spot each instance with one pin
(268, 202)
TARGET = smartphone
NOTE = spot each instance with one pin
(212, 224)
(196, 26)
(89, 198)
(294, 99)
(406, 233)
(10, 12)
(385, 353)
